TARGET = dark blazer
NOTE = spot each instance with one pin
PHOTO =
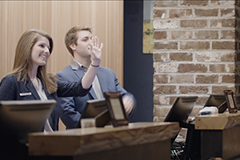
(70, 108)
(11, 89)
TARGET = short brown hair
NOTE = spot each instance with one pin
(71, 36)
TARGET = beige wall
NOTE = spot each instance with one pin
(56, 17)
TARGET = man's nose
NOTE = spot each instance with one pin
(91, 42)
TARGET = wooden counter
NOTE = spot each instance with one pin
(219, 135)
(147, 140)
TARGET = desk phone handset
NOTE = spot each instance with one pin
(230, 101)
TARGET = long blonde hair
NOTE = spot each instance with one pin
(23, 59)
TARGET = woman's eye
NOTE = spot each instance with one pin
(41, 45)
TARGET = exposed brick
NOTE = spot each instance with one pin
(165, 3)
(195, 111)
(165, 67)
(160, 78)
(207, 56)
(176, 13)
(238, 68)
(222, 2)
(159, 35)
(206, 12)
(202, 100)
(156, 100)
(231, 68)
(194, 2)
(192, 68)
(207, 79)
(237, 13)
(165, 24)
(160, 57)
(158, 119)
(160, 100)
(220, 89)
(237, 35)
(217, 68)
(228, 78)
(223, 45)
(228, 57)
(193, 23)
(213, 45)
(165, 45)
(228, 34)
(172, 99)
(206, 34)
(181, 34)
(218, 23)
(193, 89)
(160, 89)
(228, 23)
(181, 56)
(237, 78)
(161, 111)
(229, 12)
(195, 45)
(237, 23)
(237, 3)
(158, 13)
(181, 78)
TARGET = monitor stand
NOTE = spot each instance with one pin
(103, 119)
(192, 149)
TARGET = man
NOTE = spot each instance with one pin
(79, 41)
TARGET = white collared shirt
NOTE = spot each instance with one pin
(43, 97)
(95, 85)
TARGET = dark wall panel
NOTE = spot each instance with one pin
(138, 67)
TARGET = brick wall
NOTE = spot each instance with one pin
(196, 48)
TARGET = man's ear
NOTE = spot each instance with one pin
(72, 46)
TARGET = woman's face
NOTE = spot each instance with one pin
(40, 52)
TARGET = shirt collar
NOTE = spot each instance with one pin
(75, 64)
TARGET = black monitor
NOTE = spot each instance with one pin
(98, 110)
(218, 101)
(20, 117)
(180, 112)
(181, 109)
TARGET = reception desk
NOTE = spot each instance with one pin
(220, 135)
(141, 141)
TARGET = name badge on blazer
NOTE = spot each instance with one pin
(25, 94)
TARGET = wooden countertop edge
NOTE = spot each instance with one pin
(64, 145)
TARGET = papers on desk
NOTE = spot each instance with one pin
(208, 110)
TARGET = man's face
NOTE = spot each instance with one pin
(84, 44)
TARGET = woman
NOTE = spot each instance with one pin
(30, 75)
(29, 80)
